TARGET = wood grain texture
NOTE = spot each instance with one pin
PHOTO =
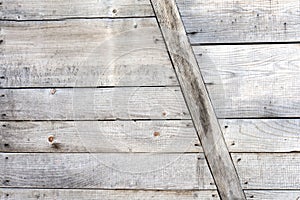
(93, 104)
(105, 171)
(66, 194)
(60, 9)
(241, 135)
(252, 80)
(262, 135)
(84, 53)
(197, 100)
(227, 21)
(268, 171)
(273, 194)
(99, 136)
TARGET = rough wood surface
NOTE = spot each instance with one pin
(66, 194)
(262, 135)
(105, 171)
(268, 171)
(93, 103)
(273, 194)
(241, 135)
(83, 53)
(227, 21)
(252, 80)
(61, 9)
(99, 136)
(197, 100)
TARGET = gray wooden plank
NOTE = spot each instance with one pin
(99, 136)
(262, 135)
(75, 194)
(93, 103)
(273, 194)
(241, 135)
(252, 80)
(268, 171)
(105, 171)
(60, 9)
(227, 21)
(197, 100)
(83, 53)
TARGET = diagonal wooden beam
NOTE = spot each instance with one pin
(197, 99)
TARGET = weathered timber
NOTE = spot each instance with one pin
(262, 135)
(99, 136)
(93, 103)
(240, 21)
(105, 171)
(268, 171)
(197, 100)
(252, 80)
(61, 9)
(84, 53)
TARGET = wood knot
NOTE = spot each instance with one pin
(53, 91)
(156, 134)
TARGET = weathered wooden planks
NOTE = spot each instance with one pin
(227, 21)
(93, 103)
(197, 100)
(252, 80)
(83, 53)
(60, 9)
(268, 171)
(99, 136)
(106, 171)
(65, 194)
(262, 135)
(273, 194)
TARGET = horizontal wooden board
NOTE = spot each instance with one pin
(107, 171)
(93, 103)
(99, 136)
(268, 171)
(73, 194)
(241, 135)
(59, 9)
(273, 194)
(252, 80)
(262, 135)
(83, 53)
(227, 21)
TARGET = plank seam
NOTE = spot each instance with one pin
(108, 189)
(73, 18)
(244, 43)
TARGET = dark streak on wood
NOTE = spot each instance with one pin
(197, 93)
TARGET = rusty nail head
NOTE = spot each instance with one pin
(51, 139)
